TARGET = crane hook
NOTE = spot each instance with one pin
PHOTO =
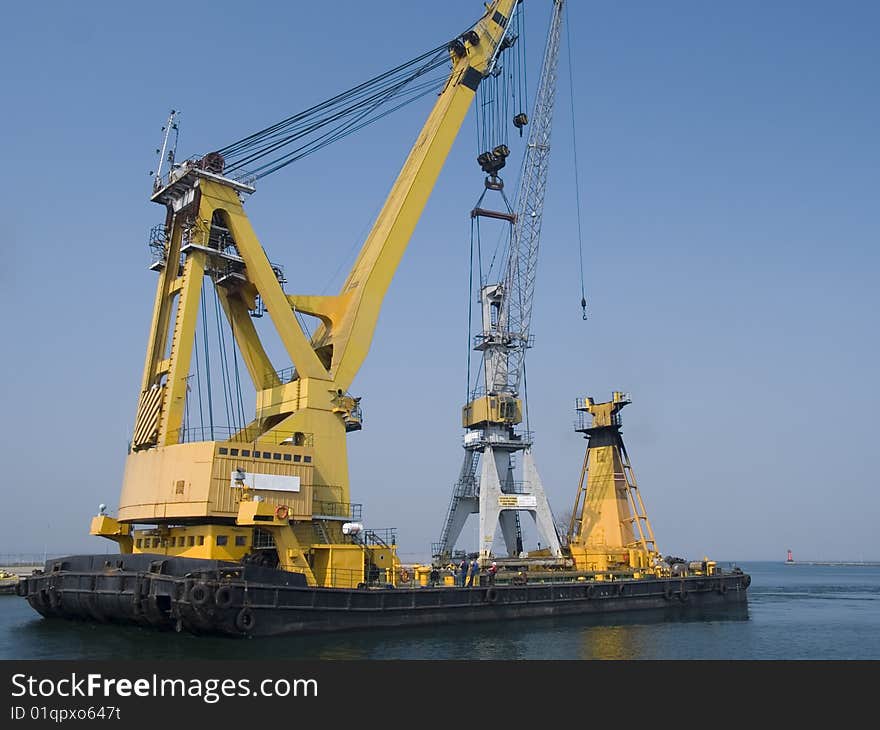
(584, 307)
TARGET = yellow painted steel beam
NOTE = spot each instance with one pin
(166, 287)
(253, 353)
(216, 196)
(381, 253)
(329, 309)
(174, 399)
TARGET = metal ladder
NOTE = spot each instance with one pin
(321, 530)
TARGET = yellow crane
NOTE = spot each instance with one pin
(609, 527)
(278, 485)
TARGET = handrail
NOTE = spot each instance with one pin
(193, 434)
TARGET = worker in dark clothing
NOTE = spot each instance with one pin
(461, 573)
(472, 573)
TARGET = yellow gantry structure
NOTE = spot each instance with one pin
(274, 481)
(609, 527)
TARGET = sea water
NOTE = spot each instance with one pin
(793, 612)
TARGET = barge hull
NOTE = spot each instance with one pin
(213, 597)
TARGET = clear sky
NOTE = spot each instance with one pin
(729, 162)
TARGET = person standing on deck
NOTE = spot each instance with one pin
(472, 573)
(462, 573)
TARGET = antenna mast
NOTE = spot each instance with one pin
(170, 125)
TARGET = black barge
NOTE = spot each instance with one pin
(215, 597)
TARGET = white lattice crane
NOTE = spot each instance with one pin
(486, 483)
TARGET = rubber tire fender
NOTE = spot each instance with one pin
(492, 595)
(683, 594)
(722, 586)
(245, 620)
(199, 594)
(746, 581)
(223, 597)
(668, 592)
(54, 597)
(42, 598)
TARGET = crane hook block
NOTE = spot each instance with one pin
(492, 162)
(520, 121)
(493, 182)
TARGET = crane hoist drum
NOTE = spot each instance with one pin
(213, 162)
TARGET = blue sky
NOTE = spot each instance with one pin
(728, 166)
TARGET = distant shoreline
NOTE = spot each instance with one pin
(836, 563)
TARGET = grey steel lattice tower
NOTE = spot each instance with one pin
(492, 441)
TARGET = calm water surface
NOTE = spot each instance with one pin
(794, 612)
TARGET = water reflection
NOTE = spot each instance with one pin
(612, 636)
(632, 637)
